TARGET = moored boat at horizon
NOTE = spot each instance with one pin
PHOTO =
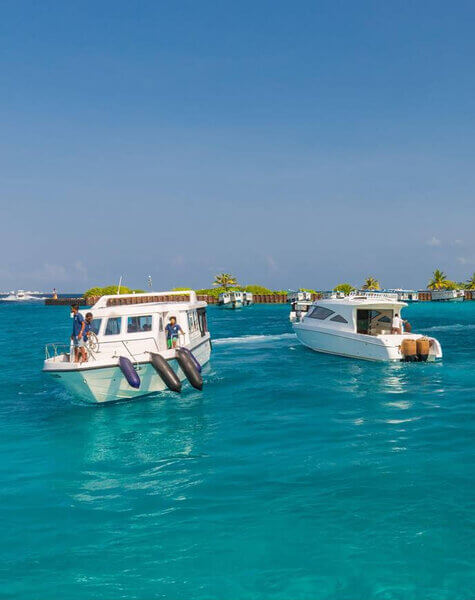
(447, 295)
(298, 309)
(129, 345)
(360, 326)
(235, 299)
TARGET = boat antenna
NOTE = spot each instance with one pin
(120, 283)
(150, 281)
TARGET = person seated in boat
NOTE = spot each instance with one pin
(77, 336)
(173, 331)
(396, 325)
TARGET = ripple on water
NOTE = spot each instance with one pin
(293, 475)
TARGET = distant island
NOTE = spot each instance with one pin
(224, 282)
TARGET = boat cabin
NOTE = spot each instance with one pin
(137, 322)
(358, 314)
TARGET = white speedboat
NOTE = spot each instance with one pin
(360, 326)
(20, 296)
(128, 354)
(235, 299)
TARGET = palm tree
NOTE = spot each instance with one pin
(471, 283)
(371, 284)
(346, 288)
(225, 280)
(439, 280)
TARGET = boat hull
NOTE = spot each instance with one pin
(232, 305)
(99, 385)
(364, 347)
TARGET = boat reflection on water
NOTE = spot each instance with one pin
(121, 458)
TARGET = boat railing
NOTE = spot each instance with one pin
(55, 349)
(375, 295)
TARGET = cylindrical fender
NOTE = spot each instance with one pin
(193, 358)
(129, 372)
(164, 370)
(189, 369)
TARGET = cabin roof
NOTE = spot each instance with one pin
(361, 301)
(137, 303)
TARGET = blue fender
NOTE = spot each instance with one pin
(129, 372)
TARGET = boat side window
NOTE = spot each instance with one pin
(96, 325)
(384, 319)
(113, 326)
(321, 313)
(192, 321)
(139, 324)
(339, 319)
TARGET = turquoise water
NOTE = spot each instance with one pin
(294, 475)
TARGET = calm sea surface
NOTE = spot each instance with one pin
(293, 475)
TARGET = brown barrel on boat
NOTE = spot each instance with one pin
(409, 349)
(423, 345)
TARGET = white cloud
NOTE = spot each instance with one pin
(433, 241)
(49, 272)
(178, 261)
(464, 260)
(81, 269)
(271, 264)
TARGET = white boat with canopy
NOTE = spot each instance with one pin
(447, 295)
(360, 326)
(128, 353)
(235, 299)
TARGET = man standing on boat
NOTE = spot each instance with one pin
(173, 330)
(86, 333)
(78, 333)
(397, 325)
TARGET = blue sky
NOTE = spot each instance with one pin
(291, 144)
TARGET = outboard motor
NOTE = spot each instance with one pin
(409, 350)
(129, 372)
(167, 374)
(188, 367)
(423, 348)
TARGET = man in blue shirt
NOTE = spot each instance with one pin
(86, 333)
(173, 330)
(77, 335)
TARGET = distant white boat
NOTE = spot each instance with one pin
(21, 296)
(235, 299)
(404, 295)
(298, 296)
(447, 295)
(298, 309)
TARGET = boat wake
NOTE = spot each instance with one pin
(454, 327)
(13, 298)
(253, 339)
